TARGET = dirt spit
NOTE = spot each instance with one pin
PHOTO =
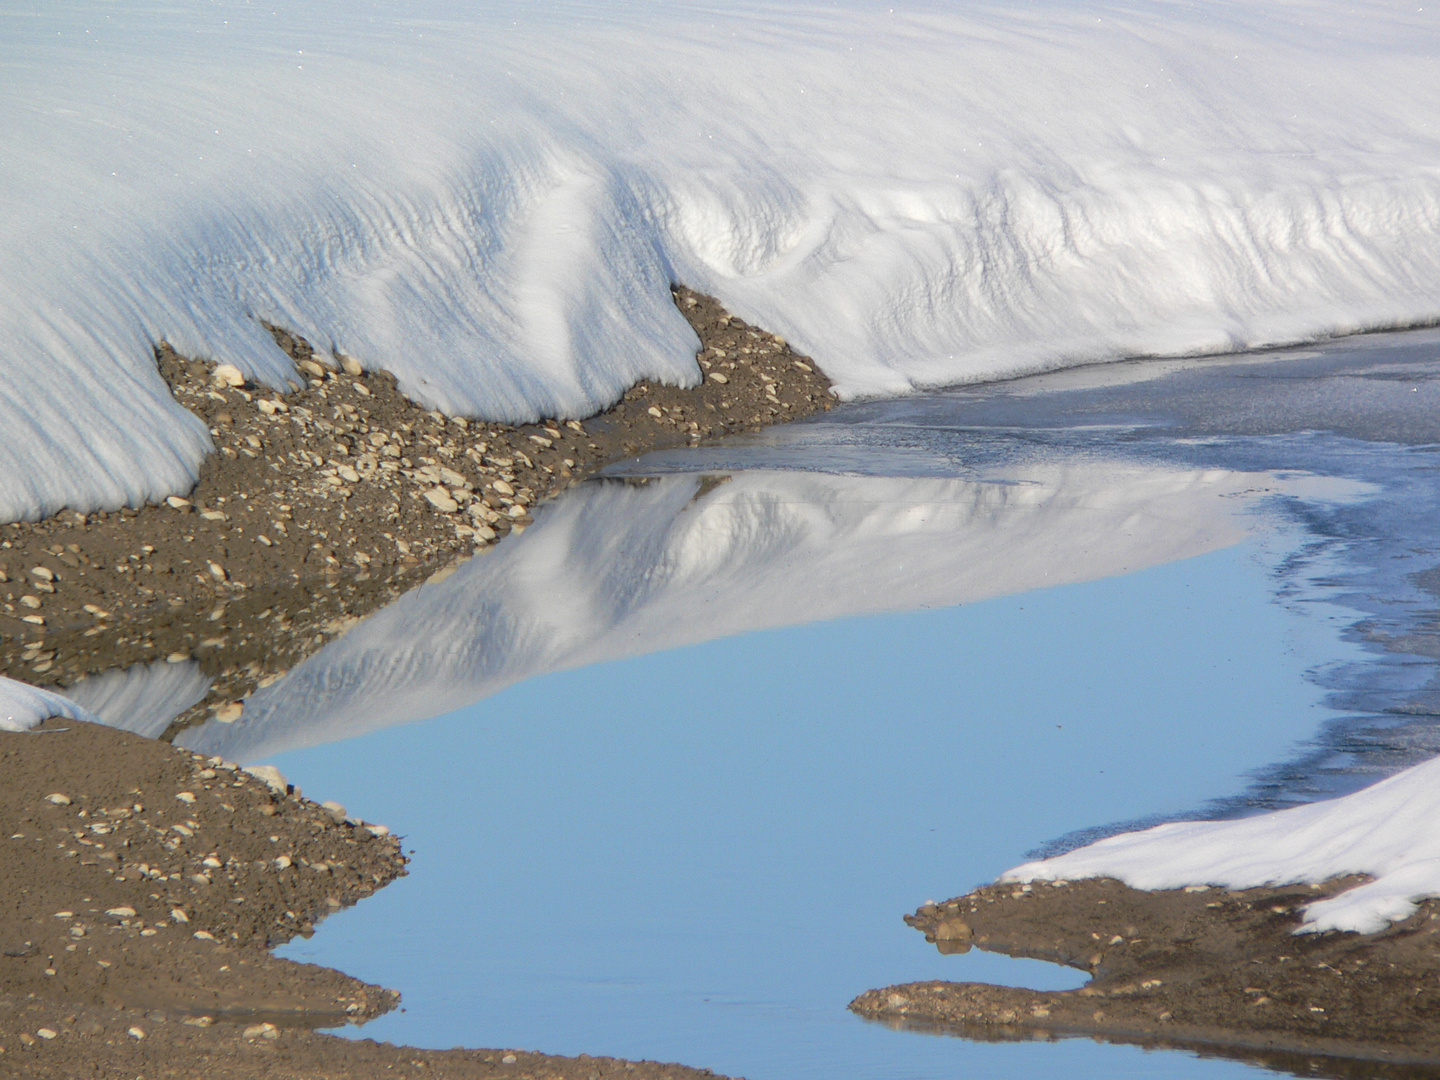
(324, 504)
(1214, 970)
(144, 886)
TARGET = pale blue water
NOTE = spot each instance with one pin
(702, 855)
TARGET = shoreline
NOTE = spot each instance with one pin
(317, 508)
(322, 505)
(156, 882)
(1215, 970)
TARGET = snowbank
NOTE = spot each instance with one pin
(613, 570)
(1388, 831)
(490, 200)
(23, 706)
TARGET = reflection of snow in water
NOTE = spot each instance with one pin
(23, 706)
(143, 698)
(615, 569)
(1390, 830)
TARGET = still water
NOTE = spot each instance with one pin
(674, 763)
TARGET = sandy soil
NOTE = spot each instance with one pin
(323, 504)
(1209, 969)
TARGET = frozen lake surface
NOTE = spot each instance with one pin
(684, 823)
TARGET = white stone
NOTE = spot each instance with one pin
(228, 375)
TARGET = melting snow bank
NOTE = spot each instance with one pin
(23, 706)
(492, 203)
(1390, 831)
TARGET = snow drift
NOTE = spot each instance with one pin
(491, 200)
(612, 570)
(1386, 831)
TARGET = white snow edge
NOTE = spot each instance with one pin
(22, 706)
(1387, 831)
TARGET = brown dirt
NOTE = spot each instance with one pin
(1212, 969)
(135, 923)
(323, 504)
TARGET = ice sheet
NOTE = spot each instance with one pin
(1387, 831)
(491, 200)
(614, 570)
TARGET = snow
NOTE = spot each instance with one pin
(1386, 831)
(491, 200)
(614, 570)
(142, 698)
(23, 706)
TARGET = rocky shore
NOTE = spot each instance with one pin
(323, 504)
(145, 884)
(144, 888)
(1213, 970)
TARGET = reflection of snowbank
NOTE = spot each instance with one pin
(143, 698)
(1390, 831)
(614, 570)
(491, 199)
(23, 706)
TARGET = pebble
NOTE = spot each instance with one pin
(508, 1059)
(44, 573)
(203, 935)
(229, 712)
(503, 488)
(120, 912)
(715, 376)
(439, 498)
(175, 502)
(228, 375)
(378, 830)
(350, 365)
(186, 796)
(283, 862)
(262, 1031)
(58, 799)
(136, 1033)
(177, 658)
(47, 1033)
(311, 368)
(336, 810)
(272, 777)
(32, 602)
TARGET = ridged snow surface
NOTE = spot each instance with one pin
(142, 698)
(491, 200)
(23, 706)
(611, 571)
(1386, 831)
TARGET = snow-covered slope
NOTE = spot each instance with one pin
(491, 199)
(1387, 831)
(612, 570)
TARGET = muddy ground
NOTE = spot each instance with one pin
(323, 504)
(143, 888)
(1210, 969)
